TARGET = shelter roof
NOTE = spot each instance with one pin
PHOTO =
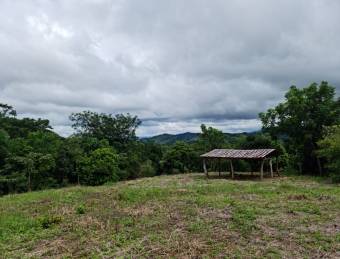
(239, 153)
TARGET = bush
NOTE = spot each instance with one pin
(335, 178)
(48, 221)
(180, 157)
(80, 209)
(330, 150)
(99, 167)
(147, 169)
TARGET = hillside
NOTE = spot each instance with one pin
(175, 216)
(190, 137)
(172, 138)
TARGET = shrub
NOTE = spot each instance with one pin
(180, 157)
(80, 209)
(99, 167)
(147, 169)
(48, 221)
(330, 149)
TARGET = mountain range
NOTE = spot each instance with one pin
(190, 137)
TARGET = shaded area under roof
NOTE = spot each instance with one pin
(240, 153)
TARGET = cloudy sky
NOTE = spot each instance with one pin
(175, 64)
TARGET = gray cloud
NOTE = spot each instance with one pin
(175, 63)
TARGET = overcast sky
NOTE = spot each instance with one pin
(175, 63)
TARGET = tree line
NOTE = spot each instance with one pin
(304, 128)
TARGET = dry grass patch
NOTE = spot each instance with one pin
(179, 216)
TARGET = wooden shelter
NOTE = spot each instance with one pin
(262, 155)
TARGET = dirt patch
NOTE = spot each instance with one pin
(332, 228)
(325, 198)
(139, 211)
(176, 220)
(89, 222)
(249, 197)
(50, 248)
(43, 202)
(297, 197)
(63, 211)
(213, 213)
(180, 246)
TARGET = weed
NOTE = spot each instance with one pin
(49, 221)
(80, 209)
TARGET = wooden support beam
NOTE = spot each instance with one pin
(29, 181)
(271, 168)
(261, 171)
(231, 169)
(205, 168)
(219, 167)
(277, 166)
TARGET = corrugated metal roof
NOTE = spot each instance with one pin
(239, 153)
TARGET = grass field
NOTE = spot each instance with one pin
(175, 216)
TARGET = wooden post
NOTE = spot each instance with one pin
(231, 169)
(277, 166)
(261, 172)
(29, 181)
(219, 167)
(271, 168)
(205, 168)
(29, 168)
(319, 165)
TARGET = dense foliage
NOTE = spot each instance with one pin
(300, 120)
(330, 149)
(119, 130)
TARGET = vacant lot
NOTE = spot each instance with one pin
(175, 216)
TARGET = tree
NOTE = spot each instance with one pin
(4, 143)
(19, 127)
(211, 138)
(118, 129)
(45, 142)
(89, 144)
(300, 120)
(99, 167)
(36, 168)
(330, 149)
(7, 111)
(69, 156)
(180, 158)
(153, 152)
(263, 141)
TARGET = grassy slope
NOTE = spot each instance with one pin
(178, 216)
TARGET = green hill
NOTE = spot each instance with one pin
(175, 216)
(190, 137)
(172, 138)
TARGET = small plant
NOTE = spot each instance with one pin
(80, 209)
(48, 221)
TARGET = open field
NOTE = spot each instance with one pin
(175, 216)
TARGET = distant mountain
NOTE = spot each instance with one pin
(172, 138)
(190, 137)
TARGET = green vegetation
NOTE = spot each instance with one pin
(300, 119)
(168, 139)
(183, 215)
(330, 149)
(104, 148)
